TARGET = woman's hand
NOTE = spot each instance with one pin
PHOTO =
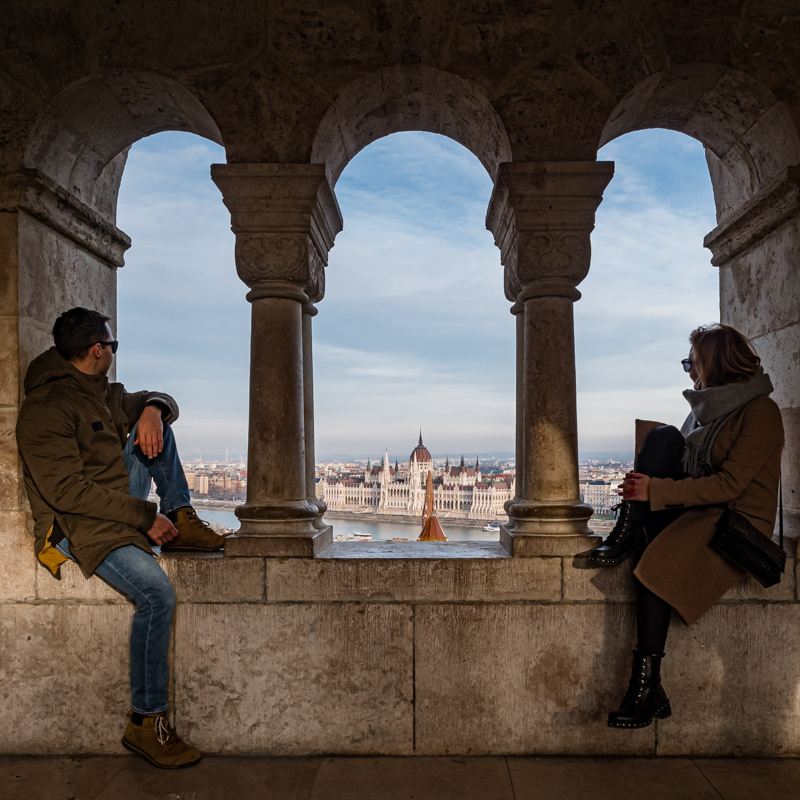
(634, 487)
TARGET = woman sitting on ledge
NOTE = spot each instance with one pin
(728, 452)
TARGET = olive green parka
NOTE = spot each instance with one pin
(71, 431)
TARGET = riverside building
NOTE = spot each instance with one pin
(459, 492)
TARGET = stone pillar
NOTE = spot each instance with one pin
(518, 310)
(55, 253)
(309, 312)
(285, 218)
(541, 215)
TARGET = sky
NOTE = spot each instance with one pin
(415, 331)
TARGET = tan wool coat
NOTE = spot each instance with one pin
(679, 565)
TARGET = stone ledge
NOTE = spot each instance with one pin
(414, 580)
(415, 550)
(196, 577)
(210, 578)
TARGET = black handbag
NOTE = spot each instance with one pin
(748, 548)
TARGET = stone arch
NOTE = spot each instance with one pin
(749, 136)
(81, 138)
(409, 98)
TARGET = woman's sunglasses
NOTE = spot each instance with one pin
(687, 363)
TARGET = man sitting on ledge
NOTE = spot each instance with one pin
(89, 451)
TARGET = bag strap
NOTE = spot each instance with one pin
(780, 500)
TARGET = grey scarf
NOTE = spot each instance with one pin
(710, 409)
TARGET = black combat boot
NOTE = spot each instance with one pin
(626, 537)
(645, 699)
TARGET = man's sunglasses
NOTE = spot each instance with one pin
(113, 345)
(687, 363)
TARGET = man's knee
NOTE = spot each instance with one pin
(160, 595)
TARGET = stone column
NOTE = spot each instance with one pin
(518, 310)
(541, 215)
(285, 218)
(309, 312)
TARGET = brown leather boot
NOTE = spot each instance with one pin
(155, 739)
(193, 532)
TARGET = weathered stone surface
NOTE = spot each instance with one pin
(402, 778)
(215, 779)
(523, 679)
(751, 589)
(585, 581)
(404, 550)
(215, 579)
(37, 778)
(791, 470)
(744, 778)
(9, 349)
(608, 779)
(57, 275)
(17, 562)
(57, 659)
(8, 265)
(731, 680)
(75, 586)
(780, 357)
(10, 476)
(487, 580)
(759, 290)
(295, 679)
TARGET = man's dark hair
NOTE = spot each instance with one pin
(76, 330)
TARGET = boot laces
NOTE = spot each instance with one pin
(622, 510)
(193, 515)
(163, 730)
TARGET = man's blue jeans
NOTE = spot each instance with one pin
(140, 578)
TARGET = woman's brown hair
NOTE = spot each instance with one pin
(723, 355)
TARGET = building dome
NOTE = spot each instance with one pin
(420, 452)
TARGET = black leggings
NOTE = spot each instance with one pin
(661, 457)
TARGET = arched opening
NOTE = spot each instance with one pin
(409, 98)
(414, 331)
(80, 140)
(650, 285)
(752, 150)
(180, 320)
(73, 162)
(748, 134)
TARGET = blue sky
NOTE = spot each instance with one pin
(414, 329)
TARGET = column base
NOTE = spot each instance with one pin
(278, 544)
(547, 530)
(290, 529)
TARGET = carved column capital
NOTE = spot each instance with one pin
(285, 217)
(542, 214)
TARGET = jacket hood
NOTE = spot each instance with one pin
(47, 367)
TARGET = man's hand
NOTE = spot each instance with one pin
(163, 530)
(150, 432)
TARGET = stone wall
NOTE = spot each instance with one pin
(400, 656)
(443, 655)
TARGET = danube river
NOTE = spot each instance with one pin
(379, 530)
